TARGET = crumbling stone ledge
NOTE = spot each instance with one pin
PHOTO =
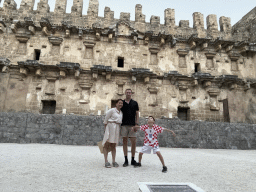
(88, 130)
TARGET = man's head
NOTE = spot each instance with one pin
(128, 93)
(151, 119)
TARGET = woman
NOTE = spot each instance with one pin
(112, 124)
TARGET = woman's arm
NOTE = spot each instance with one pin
(108, 116)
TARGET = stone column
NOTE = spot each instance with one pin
(169, 17)
(9, 5)
(139, 19)
(43, 7)
(225, 26)
(212, 25)
(27, 6)
(77, 8)
(155, 24)
(125, 16)
(60, 6)
(109, 16)
(92, 12)
(198, 24)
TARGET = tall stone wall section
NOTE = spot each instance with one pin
(244, 29)
(88, 130)
(83, 63)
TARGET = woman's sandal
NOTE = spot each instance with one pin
(115, 164)
(107, 165)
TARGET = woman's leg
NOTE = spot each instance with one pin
(105, 151)
(113, 151)
(160, 157)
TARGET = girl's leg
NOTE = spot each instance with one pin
(105, 151)
(140, 157)
(160, 157)
(113, 151)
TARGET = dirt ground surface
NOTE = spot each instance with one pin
(57, 168)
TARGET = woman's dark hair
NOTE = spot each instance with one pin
(118, 100)
(152, 117)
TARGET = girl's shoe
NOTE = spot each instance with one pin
(164, 169)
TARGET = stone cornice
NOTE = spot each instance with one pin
(182, 52)
(4, 61)
(154, 50)
(33, 67)
(55, 40)
(22, 37)
(210, 55)
(234, 56)
(89, 44)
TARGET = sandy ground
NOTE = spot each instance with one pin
(45, 167)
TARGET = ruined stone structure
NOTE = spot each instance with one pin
(63, 63)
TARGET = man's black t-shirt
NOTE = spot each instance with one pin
(129, 112)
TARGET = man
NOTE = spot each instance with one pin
(130, 111)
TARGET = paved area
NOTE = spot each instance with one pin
(46, 168)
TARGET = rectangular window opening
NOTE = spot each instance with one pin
(183, 113)
(120, 62)
(37, 54)
(197, 67)
(49, 107)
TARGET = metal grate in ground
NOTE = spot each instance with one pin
(168, 187)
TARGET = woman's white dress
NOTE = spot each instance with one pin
(113, 120)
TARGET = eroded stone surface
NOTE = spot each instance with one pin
(78, 62)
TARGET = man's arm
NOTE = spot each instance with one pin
(135, 128)
(137, 118)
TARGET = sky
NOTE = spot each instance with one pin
(235, 9)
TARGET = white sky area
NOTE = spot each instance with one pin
(235, 9)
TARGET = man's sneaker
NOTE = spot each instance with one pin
(164, 169)
(134, 163)
(107, 165)
(125, 164)
(137, 165)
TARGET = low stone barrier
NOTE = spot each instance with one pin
(88, 130)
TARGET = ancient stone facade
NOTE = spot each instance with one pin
(63, 63)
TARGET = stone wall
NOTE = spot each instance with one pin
(88, 130)
(244, 29)
(80, 64)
